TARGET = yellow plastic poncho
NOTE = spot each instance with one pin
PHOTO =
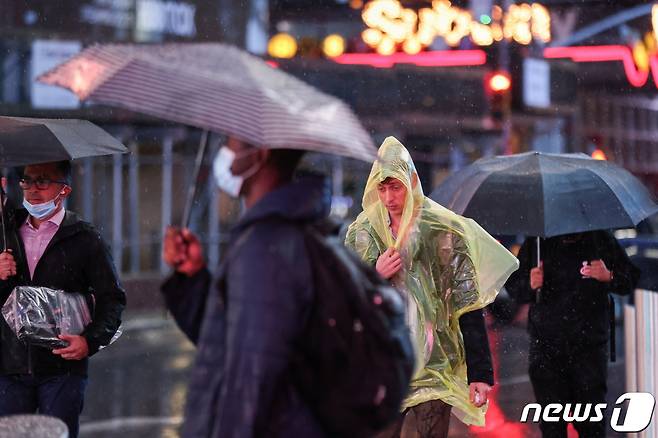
(450, 266)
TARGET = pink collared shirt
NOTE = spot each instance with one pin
(36, 240)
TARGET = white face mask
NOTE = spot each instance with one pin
(228, 182)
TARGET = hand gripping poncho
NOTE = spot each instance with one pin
(450, 266)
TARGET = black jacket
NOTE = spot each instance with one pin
(571, 308)
(479, 367)
(76, 260)
(247, 330)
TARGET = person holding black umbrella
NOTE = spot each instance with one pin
(568, 325)
(49, 246)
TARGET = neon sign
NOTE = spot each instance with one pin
(440, 58)
(390, 25)
(637, 77)
(640, 61)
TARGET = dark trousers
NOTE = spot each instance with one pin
(58, 396)
(426, 420)
(566, 373)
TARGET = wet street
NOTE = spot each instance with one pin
(137, 385)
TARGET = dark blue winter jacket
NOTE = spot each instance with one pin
(247, 328)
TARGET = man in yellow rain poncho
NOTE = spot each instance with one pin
(447, 268)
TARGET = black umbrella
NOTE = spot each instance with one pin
(26, 141)
(546, 195)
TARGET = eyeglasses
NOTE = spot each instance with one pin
(41, 183)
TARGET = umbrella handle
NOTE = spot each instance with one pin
(538, 293)
(3, 196)
(191, 192)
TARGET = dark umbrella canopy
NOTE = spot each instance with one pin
(546, 194)
(26, 141)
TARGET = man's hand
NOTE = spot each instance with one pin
(389, 263)
(598, 271)
(76, 350)
(182, 251)
(537, 276)
(7, 265)
(479, 393)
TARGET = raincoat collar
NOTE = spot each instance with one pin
(307, 198)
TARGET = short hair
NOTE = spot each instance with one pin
(63, 168)
(390, 180)
(286, 161)
(65, 171)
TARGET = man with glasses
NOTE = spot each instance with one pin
(51, 247)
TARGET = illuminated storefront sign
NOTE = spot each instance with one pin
(165, 17)
(390, 25)
(437, 58)
(113, 13)
(150, 18)
(640, 60)
(636, 76)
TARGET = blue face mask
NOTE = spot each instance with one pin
(41, 211)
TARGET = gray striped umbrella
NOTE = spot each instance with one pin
(219, 88)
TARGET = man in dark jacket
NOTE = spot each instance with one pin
(569, 318)
(50, 247)
(247, 329)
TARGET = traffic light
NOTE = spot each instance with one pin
(498, 89)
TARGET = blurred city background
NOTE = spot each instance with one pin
(454, 81)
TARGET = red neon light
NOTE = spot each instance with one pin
(636, 77)
(437, 58)
(272, 64)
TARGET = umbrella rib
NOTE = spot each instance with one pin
(631, 198)
(594, 170)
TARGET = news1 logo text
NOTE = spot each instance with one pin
(639, 412)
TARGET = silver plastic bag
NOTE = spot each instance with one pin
(38, 315)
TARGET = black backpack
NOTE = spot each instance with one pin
(356, 360)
